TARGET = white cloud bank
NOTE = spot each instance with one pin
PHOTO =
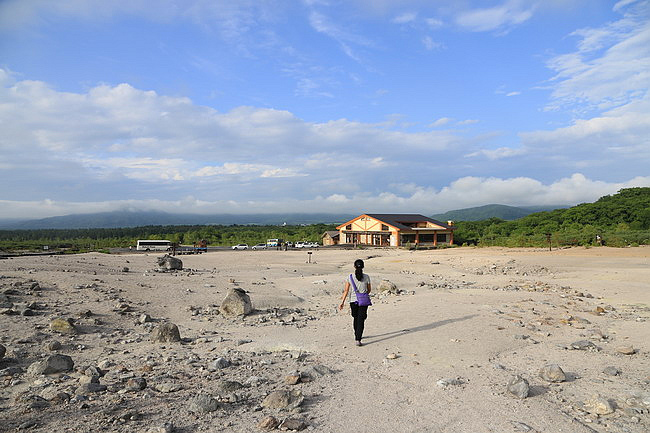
(461, 193)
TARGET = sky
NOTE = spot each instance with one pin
(339, 106)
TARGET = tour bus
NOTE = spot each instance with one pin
(153, 245)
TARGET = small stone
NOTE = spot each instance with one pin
(392, 356)
(292, 379)
(583, 345)
(10, 371)
(167, 387)
(552, 373)
(166, 333)
(218, 364)
(52, 364)
(229, 385)
(269, 423)
(3, 350)
(136, 384)
(90, 388)
(444, 383)
(518, 387)
(144, 318)
(283, 400)
(203, 403)
(63, 326)
(165, 428)
(53, 346)
(612, 371)
(293, 424)
(626, 350)
(598, 405)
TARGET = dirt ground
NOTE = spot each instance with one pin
(437, 356)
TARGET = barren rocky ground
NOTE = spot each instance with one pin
(461, 340)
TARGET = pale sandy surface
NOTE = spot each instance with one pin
(481, 315)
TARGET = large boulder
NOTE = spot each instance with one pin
(169, 263)
(52, 364)
(387, 287)
(166, 333)
(236, 303)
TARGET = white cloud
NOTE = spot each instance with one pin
(404, 18)
(610, 67)
(441, 122)
(467, 122)
(499, 153)
(434, 23)
(430, 44)
(513, 93)
(463, 192)
(502, 17)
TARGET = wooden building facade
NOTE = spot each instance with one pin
(396, 230)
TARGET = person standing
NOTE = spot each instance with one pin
(358, 297)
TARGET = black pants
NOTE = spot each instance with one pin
(359, 314)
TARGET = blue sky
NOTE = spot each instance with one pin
(320, 105)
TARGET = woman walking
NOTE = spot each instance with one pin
(358, 297)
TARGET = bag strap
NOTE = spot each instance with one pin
(353, 284)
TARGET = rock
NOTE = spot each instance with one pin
(518, 387)
(168, 387)
(166, 333)
(229, 385)
(552, 373)
(626, 350)
(294, 424)
(165, 428)
(387, 287)
(236, 303)
(583, 345)
(53, 346)
(144, 318)
(89, 379)
(612, 371)
(283, 400)
(444, 383)
(203, 403)
(292, 379)
(598, 405)
(269, 423)
(136, 384)
(63, 326)
(392, 356)
(3, 350)
(10, 371)
(52, 364)
(90, 388)
(314, 372)
(169, 263)
(218, 364)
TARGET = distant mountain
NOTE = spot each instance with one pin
(138, 219)
(500, 211)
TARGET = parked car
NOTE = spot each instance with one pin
(290, 244)
(259, 247)
(300, 244)
(312, 245)
(240, 247)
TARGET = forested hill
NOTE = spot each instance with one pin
(620, 219)
(479, 213)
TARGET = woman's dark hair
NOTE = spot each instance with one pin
(358, 269)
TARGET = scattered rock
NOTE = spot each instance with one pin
(552, 373)
(269, 423)
(63, 326)
(203, 403)
(518, 387)
(229, 385)
(236, 303)
(626, 350)
(10, 371)
(3, 350)
(144, 318)
(612, 371)
(293, 424)
(53, 346)
(292, 379)
(168, 387)
(169, 263)
(392, 356)
(599, 406)
(52, 364)
(166, 333)
(90, 388)
(314, 372)
(283, 400)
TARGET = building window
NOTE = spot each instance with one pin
(348, 227)
(441, 238)
(384, 228)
